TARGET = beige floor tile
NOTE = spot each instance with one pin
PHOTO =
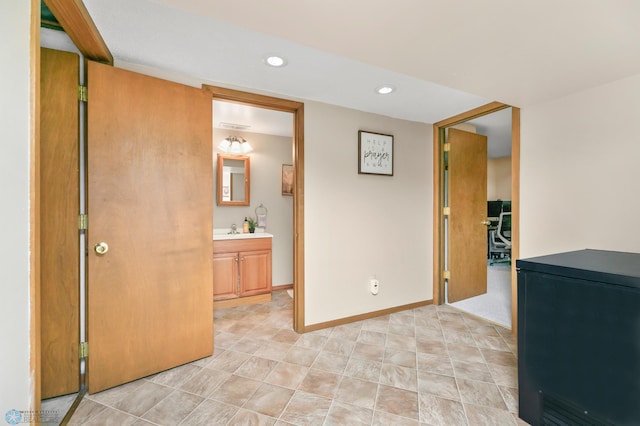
(205, 381)
(363, 369)
(480, 393)
(287, 375)
(172, 409)
(176, 376)
(402, 342)
(437, 364)
(505, 359)
(340, 346)
(301, 356)
(400, 357)
(235, 391)
(368, 352)
(381, 418)
(472, 370)
(432, 365)
(372, 337)
(341, 414)
(320, 383)
(510, 396)
(306, 409)
(145, 397)
(256, 368)
(246, 417)
(402, 329)
(399, 377)
(438, 411)
(228, 361)
(87, 409)
(397, 401)
(269, 400)
(357, 392)
(438, 385)
(111, 417)
(331, 362)
(209, 413)
(488, 416)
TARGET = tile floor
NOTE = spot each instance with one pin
(427, 366)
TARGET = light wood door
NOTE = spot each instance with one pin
(255, 272)
(60, 206)
(225, 276)
(150, 198)
(467, 184)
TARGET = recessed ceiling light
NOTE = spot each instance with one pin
(275, 61)
(385, 89)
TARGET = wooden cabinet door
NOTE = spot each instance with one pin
(150, 198)
(225, 276)
(255, 272)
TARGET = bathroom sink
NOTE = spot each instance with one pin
(223, 234)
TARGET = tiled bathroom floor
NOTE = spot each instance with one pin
(427, 366)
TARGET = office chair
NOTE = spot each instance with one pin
(500, 240)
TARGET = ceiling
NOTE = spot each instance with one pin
(443, 56)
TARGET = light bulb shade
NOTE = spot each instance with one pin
(224, 145)
(235, 145)
(235, 148)
(246, 148)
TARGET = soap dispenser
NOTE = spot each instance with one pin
(245, 226)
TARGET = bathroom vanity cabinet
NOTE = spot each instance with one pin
(241, 271)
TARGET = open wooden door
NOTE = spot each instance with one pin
(467, 181)
(60, 206)
(150, 223)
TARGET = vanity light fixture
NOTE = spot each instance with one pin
(274, 60)
(385, 89)
(235, 145)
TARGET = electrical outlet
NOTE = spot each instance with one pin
(374, 286)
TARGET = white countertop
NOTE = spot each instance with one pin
(223, 234)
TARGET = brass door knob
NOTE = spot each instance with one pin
(101, 248)
(486, 222)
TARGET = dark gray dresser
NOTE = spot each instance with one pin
(579, 338)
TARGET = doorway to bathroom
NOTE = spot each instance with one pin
(277, 149)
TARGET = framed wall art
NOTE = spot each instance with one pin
(375, 153)
(287, 179)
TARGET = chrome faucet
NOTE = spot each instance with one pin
(234, 229)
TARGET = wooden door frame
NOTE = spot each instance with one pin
(438, 200)
(297, 109)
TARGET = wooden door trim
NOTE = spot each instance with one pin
(78, 24)
(438, 200)
(297, 109)
(34, 212)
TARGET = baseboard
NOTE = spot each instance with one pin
(368, 315)
(241, 301)
(282, 287)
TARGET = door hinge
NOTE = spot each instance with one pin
(446, 211)
(446, 275)
(83, 93)
(446, 147)
(84, 350)
(83, 222)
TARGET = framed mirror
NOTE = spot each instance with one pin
(234, 184)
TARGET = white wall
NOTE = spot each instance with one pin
(269, 154)
(580, 171)
(14, 214)
(360, 225)
(499, 178)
